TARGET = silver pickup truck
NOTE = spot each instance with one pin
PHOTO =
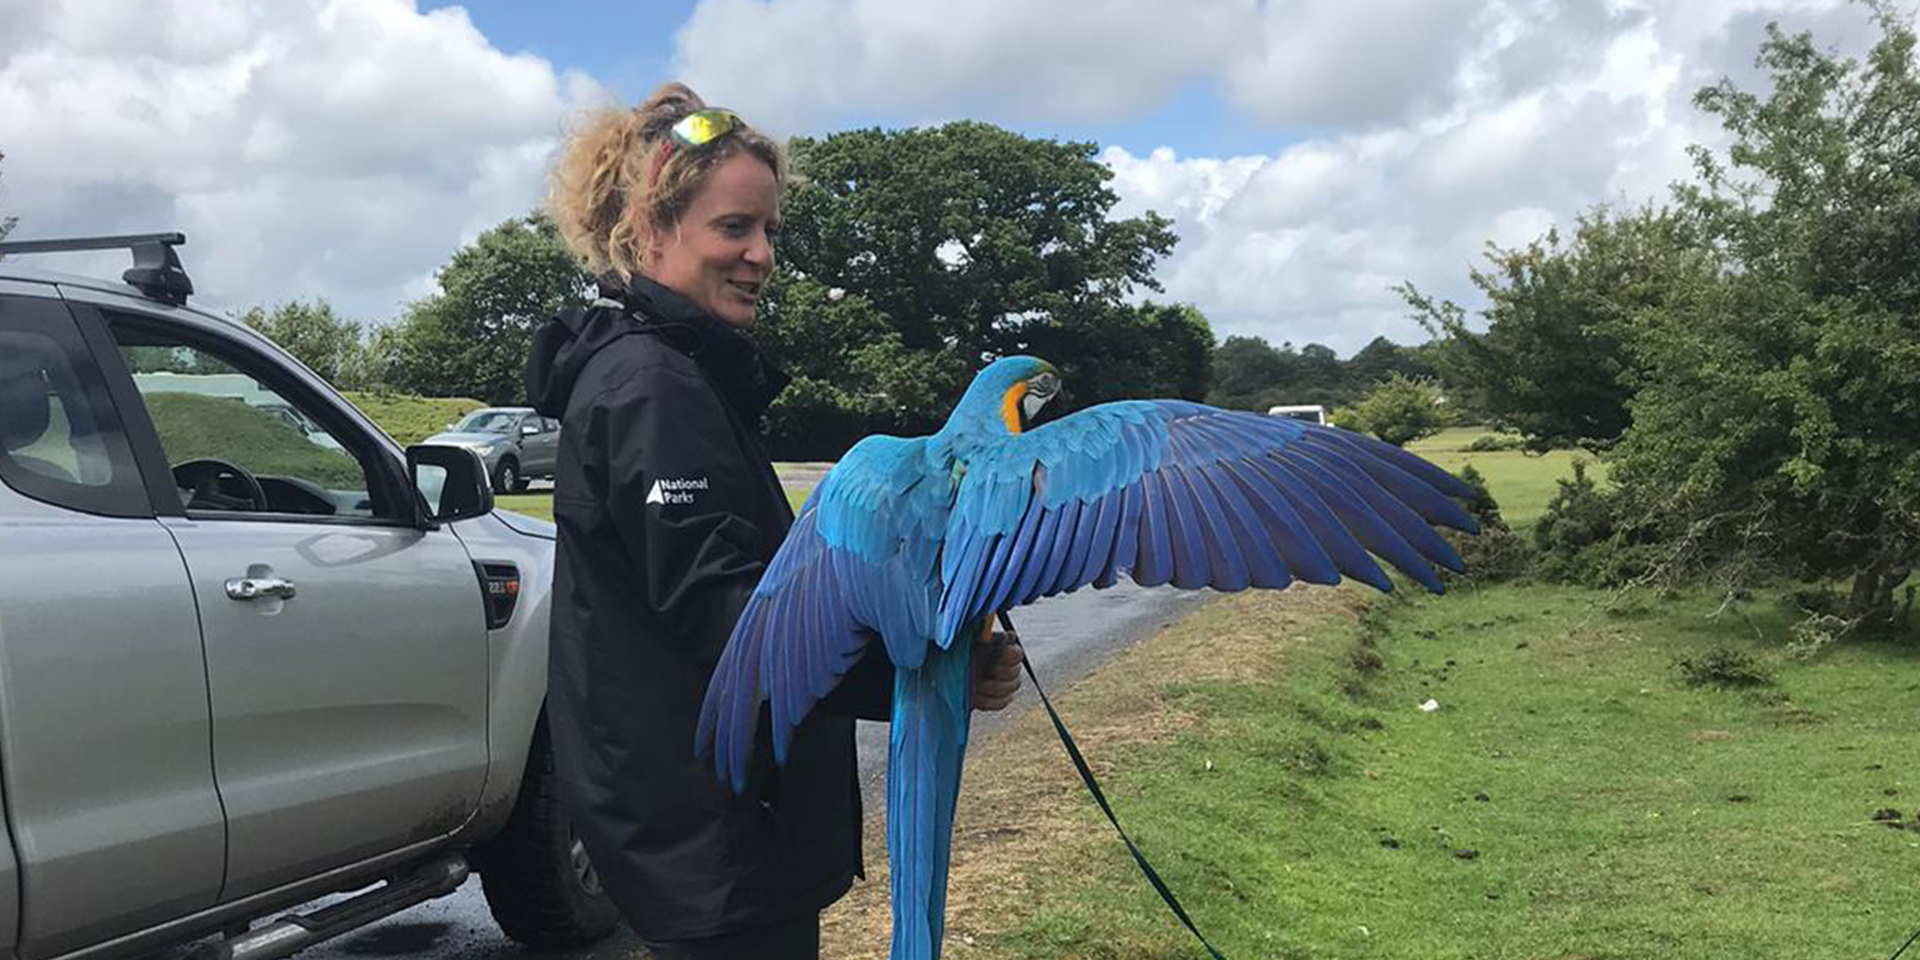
(245, 664)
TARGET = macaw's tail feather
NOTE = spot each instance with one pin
(931, 709)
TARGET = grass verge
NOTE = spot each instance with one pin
(1572, 795)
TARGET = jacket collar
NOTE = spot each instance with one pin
(730, 360)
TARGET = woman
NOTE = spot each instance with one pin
(668, 511)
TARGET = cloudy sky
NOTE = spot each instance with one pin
(1311, 153)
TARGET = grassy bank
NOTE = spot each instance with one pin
(1572, 795)
(411, 419)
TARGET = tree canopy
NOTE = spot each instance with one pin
(1553, 362)
(328, 344)
(1399, 410)
(1750, 355)
(471, 338)
(1778, 407)
(1251, 374)
(955, 244)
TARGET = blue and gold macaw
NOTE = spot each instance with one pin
(922, 540)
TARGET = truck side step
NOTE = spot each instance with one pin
(296, 932)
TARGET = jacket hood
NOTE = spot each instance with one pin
(562, 346)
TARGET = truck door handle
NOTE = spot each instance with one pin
(255, 588)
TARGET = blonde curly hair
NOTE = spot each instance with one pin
(604, 194)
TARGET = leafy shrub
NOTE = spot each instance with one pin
(1494, 443)
(1496, 554)
(1590, 536)
(1399, 411)
(1723, 667)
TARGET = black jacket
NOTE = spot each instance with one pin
(669, 510)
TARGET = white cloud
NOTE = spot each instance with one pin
(345, 147)
(336, 148)
(796, 64)
(1415, 130)
(1339, 63)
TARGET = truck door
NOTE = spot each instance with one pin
(346, 647)
(104, 726)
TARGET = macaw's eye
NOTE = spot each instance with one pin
(1044, 385)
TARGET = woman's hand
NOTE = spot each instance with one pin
(996, 669)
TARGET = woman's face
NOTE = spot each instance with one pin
(721, 252)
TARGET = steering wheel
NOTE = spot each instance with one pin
(205, 476)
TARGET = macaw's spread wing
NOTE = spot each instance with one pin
(859, 560)
(1182, 493)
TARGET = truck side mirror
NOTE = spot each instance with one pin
(452, 482)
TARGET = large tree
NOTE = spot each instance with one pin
(969, 241)
(1553, 361)
(1779, 411)
(471, 338)
(328, 344)
(851, 374)
(1251, 374)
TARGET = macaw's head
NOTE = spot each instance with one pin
(1007, 395)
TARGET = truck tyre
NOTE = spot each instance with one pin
(507, 477)
(539, 885)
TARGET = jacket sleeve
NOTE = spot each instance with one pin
(672, 478)
(865, 691)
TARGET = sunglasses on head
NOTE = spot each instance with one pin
(696, 129)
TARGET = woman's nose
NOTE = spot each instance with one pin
(759, 252)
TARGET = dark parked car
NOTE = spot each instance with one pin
(516, 444)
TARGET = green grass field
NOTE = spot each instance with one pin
(1523, 483)
(411, 419)
(1571, 797)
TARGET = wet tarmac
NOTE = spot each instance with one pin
(1066, 637)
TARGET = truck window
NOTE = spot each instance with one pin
(59, 440)
(238, 445)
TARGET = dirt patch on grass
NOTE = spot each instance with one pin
(1024, 815)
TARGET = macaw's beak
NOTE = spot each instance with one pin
(1031, 403)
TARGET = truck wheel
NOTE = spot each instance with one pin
(539, 885)
(508, 479)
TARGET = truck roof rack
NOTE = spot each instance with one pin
(156, 269)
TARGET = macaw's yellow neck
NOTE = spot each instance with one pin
(1010, 406)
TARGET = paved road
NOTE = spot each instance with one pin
(1067, 637)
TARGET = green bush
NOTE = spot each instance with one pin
(1724, 667)
(1496, 554)
(1400, 410)
(1494, 443)
(1593, 537)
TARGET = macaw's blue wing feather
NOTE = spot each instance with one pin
(860, 560)
(1175, 492)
